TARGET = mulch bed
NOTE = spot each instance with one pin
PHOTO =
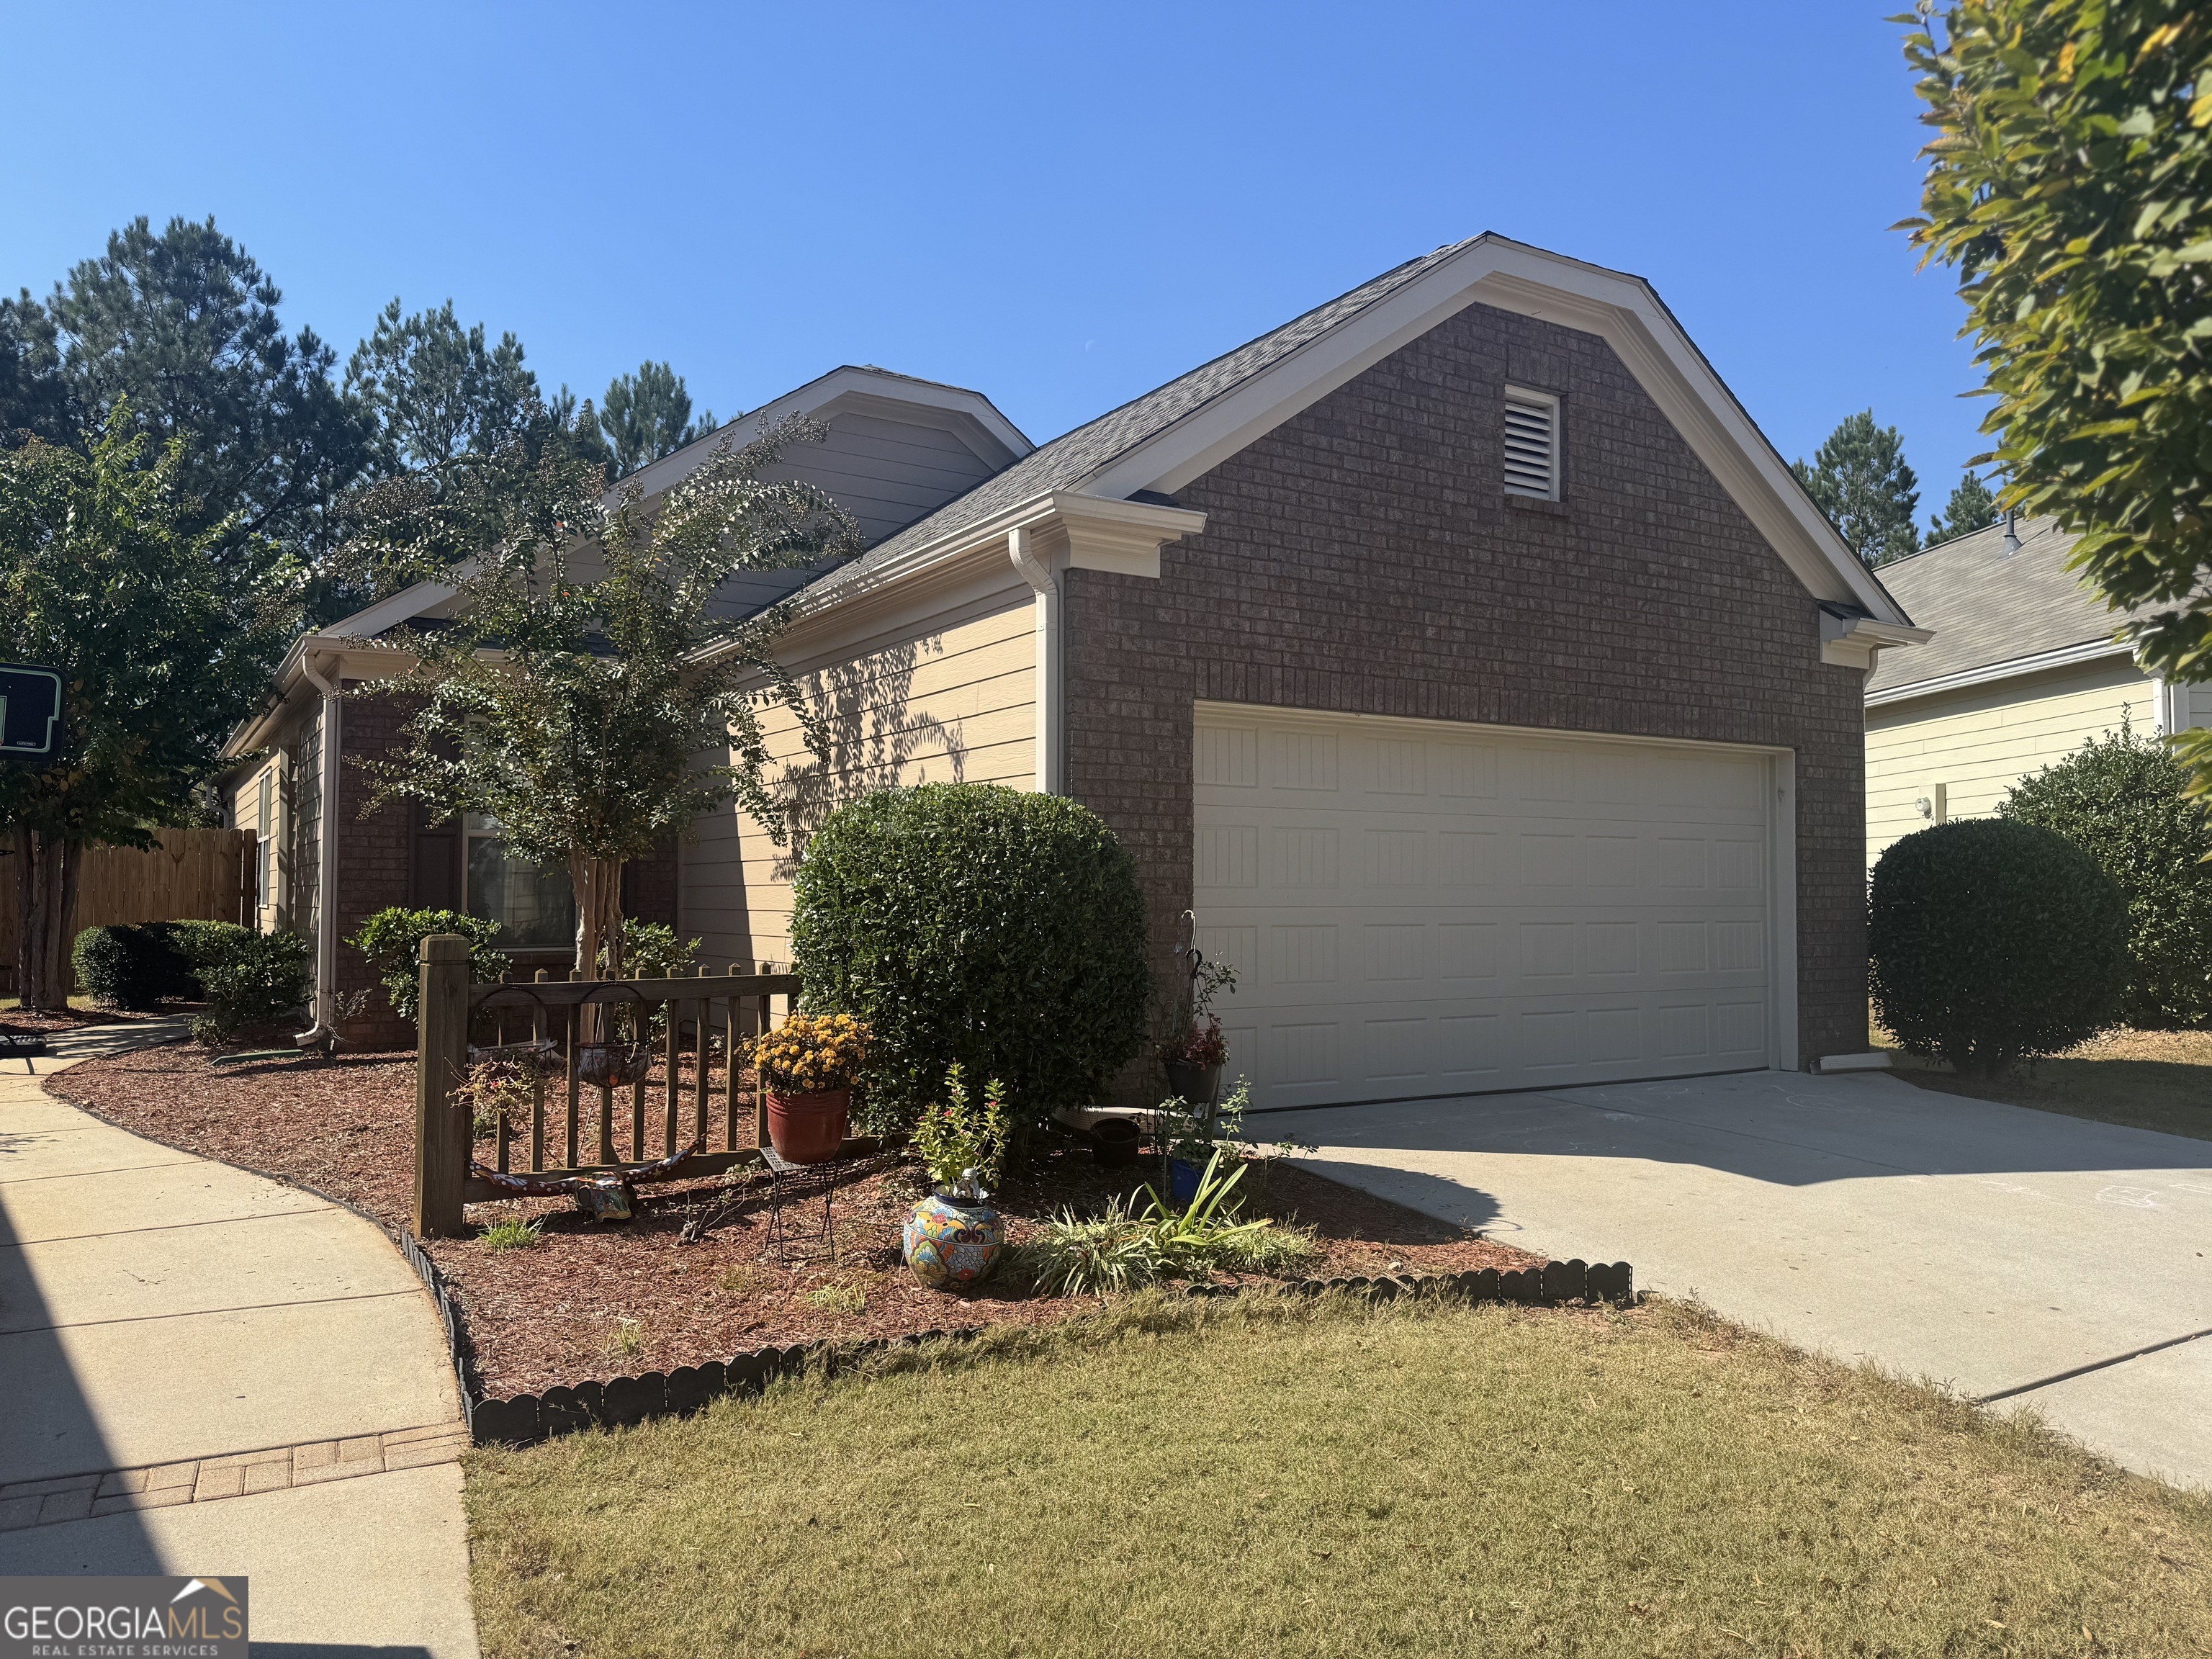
(598, 1301)
(21, 1019)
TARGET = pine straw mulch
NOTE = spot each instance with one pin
(598, 1301)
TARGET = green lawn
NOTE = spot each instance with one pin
(1277, 1477)
(2149, 1080)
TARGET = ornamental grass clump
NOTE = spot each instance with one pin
(1124, 1249)
(811, 1053)
(1991, 941)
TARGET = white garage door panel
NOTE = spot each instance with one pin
(1417, 908)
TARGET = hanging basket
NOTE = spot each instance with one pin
(613, 1064)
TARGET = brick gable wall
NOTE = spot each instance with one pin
(1364, 558)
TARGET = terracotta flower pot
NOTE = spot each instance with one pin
(808, 1128)
(951, 1244)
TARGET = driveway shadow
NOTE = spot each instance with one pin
(1790, 1128)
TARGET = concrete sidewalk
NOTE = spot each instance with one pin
(1990, 1248)
(212, 1372)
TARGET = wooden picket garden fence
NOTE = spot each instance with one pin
(679, 1119)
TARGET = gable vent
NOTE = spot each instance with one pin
(1532, 443)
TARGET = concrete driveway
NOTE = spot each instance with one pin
(2006, 1253)
(210, 1372)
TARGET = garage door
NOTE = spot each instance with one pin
(1419, 908)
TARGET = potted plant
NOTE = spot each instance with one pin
(807, 1067)
(1193, 1138)
(1196, 1052)
(954, 1238)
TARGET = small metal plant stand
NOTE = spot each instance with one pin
(796, 1231)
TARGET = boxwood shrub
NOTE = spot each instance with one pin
(260, 982)
(393, 938)
(974, 924)
(1991, 941)
(143, 965)
(2119, 799)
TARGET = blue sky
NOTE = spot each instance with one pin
(1059, 204)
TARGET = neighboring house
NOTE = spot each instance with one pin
(896, 448)
(2023, 670)
(1459, 653)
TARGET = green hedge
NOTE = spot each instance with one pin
(1991, 941)
(2119, 799)
(262, 981)
(974, 924)
(392, 940)
(142, 966)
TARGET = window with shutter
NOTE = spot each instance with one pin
(1532, 443)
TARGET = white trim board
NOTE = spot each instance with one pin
(1621, 309)
(2065, 656)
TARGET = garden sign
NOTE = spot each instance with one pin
(30, 710)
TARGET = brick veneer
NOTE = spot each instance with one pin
(1364, 558)
(373, 861)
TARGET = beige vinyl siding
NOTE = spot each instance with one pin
(952, 701)
(1979, 741)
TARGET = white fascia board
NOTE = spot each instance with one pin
(2065, 656)
(968, 414)
(1854, 641)
(1619, 308)
(1076, 532)
(353, 659)
(1100, 535)
(406, 605)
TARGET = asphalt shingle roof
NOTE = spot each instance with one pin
(1074, 456)
(1986, 607)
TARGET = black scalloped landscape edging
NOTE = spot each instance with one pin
(522, 1418)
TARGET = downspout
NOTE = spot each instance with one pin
(324, 1033)
(1050, 779)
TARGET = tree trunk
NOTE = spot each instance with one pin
(598, 882)
(45, 889)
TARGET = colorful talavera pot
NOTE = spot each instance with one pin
(951, 1244)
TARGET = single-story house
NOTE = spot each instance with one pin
(1458, 659)
(2023, 670)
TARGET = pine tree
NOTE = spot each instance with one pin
(437, 390)
(1859, 478)
(1972, 506)
(184, 325)
(648, 415)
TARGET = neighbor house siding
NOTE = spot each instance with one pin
(943, 697)
(1362, 557)
(1979, 741)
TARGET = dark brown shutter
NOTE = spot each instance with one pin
(434, 870)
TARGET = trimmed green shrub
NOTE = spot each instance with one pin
(263, 980)
(972, 925)
(2119, 799)
(142, 966)
(1992, 941)
(392, 941)
(650, 950)
(122, 967)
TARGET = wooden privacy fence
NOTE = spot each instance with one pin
(193, 875)
(680, 1119)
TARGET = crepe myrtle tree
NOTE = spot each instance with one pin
(2069, 182)
(161, 646)
(585, 671)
